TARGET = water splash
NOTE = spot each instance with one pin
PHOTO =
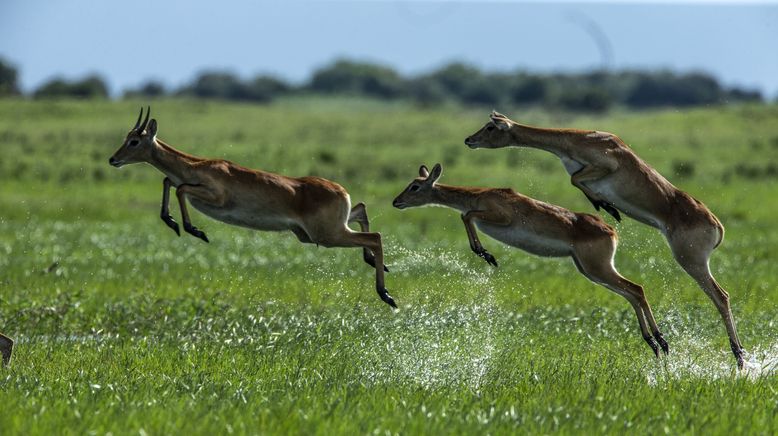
(693, 359)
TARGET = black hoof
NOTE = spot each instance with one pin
(6, 349)
(487, 257)
(370, 260)
(650, 341)
(194, 231)
(738, 352)
(611, 210)
(172, 224)
(662, 343)
(386, 298)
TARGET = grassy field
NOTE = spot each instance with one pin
(123, 327)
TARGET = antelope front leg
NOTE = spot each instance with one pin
(472, 235)
(200, 192)
(165, 212)
(590, 173)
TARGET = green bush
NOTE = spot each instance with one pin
(87, 88)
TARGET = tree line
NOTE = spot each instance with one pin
(456, 82)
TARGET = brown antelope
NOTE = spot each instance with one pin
(538, 228)
(316, 210)
(6, 348)
(613, 177)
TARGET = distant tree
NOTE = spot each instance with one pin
(8, 77)
(227, 86)
(696, 89)
(668, 89)
(89, 87)
(426, 91)
(266, 88)
(529, 89)
(586, 99)
(594, 91)
(346, 76)
(740, 95)
(456, 78)
(468, 85)
(149, 89)
(488, 90)
(217, 84)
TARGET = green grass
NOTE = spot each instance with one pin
(123, 327)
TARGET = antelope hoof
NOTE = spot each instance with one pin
(172, 224)
(738, 352)
(662, 343)
(6, 348)
(386, 298)
(194, 231)
(370, 260)
(487, 257)
(652, 344)
(611, 210)
(596, 204)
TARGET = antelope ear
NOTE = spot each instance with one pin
(151, 129)
(437, 170)
(423, 171)
(501, 121)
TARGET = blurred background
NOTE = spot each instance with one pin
(580, 56)
(119, 319)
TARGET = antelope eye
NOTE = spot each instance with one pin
(490, 128)
(134, 142)
(414, 188)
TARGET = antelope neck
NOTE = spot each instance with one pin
(455, 197)
(173, 163)
(536, 137)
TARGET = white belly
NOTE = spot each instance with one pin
(572, 166)
(235, 216)
(526, 239)
(611, 193)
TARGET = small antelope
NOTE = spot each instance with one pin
(613, 177)
(538, 228)
(6, 348)
(316, 210)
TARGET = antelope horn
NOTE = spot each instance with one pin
(146, 121)
(137, 123)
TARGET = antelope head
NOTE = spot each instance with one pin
(138, 143)
(421, 189)
(494, 134)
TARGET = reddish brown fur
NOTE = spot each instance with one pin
(536, 227)
(316, 210)
(612, 176)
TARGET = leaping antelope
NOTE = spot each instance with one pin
(538, 228)
(6, 348)
(316, 210)
(612, 176)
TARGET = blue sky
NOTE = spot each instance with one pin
(128, 42)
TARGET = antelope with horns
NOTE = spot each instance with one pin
(6, 348)
(316, 210)
(613, 177)
(538, 228)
